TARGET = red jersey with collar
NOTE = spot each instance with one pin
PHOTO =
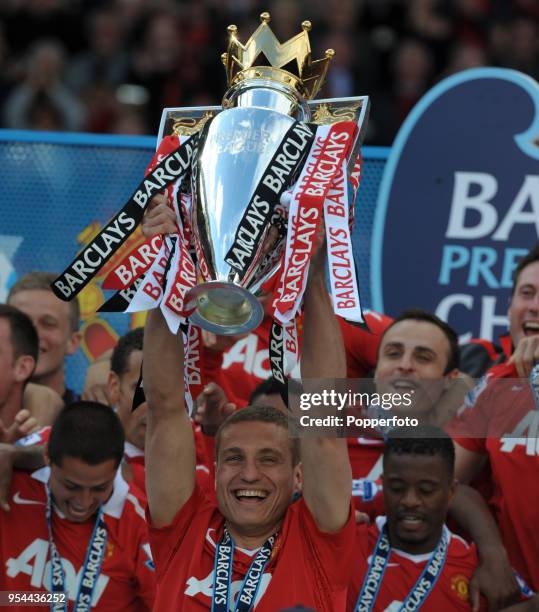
(127, 578)
(361, 345)
(205, 473)
(504, 413)
(366, 457)
(307, 567)
(403, 570)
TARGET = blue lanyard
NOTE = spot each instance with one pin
(90, 569)
(222, 575)
(377, 567)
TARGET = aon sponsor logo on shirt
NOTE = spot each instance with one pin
(246, 353)
(33, 562)
(524, 436)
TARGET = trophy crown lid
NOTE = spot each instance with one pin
(289, 62)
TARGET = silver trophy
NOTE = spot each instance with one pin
(239, 236)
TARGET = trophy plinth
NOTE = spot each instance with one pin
(225, 308)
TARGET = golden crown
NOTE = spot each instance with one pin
(289, 63)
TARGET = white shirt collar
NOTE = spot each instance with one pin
(130, 450)
(115, 504)
(382, 520)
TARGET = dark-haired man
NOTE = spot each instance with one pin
(18, 357)
(418, 355)
(57, 325)
(125, 367)
(75, 526)
(255, 547)
(409, 560)
(499, 427)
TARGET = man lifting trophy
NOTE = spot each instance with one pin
(250, 183)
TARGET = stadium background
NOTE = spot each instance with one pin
(109, 67)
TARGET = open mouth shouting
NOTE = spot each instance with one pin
(530, 328)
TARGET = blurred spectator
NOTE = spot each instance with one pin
(172, 49)
(106, 60)
(57, 325)
(522, 52)
(157, 65)
(466, 56)
(412, 74)
(42, 101)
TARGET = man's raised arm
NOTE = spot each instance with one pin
(170, 447)
(327, 476)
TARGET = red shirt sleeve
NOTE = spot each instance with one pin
(144, 566)
(469, 428)
(333, 553)
(361, 345)
(166, 540)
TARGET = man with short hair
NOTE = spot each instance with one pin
(57, 325)
(255, 547)
(18, 356)
(498, 427)
(125, 368)
(418, 354)
(409, 559)
(75, 526)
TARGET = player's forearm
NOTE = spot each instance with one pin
(24, 457)
(470, 511)
(162, 367)
(323, 354)
(326, 468)
(28, 457)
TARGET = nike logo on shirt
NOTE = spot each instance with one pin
(20, 500)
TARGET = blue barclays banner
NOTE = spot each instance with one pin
(459, 201)
(58, 190)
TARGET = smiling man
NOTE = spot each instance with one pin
(57, 325)
(409, 559)
(255, 547)
(418, 354)
(76, 523)
(499, 424)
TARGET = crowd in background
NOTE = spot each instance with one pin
(111, 66)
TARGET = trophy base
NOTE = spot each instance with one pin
(224, 308)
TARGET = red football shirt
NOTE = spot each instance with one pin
(127, 578)
(505, 411)
(205, 473)
(307, 567)
(403, 570)
(366, 456)
(246, 364)
(241, 368)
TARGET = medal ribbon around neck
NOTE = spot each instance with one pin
(377, 567)
(222, 575)
(90, 569)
